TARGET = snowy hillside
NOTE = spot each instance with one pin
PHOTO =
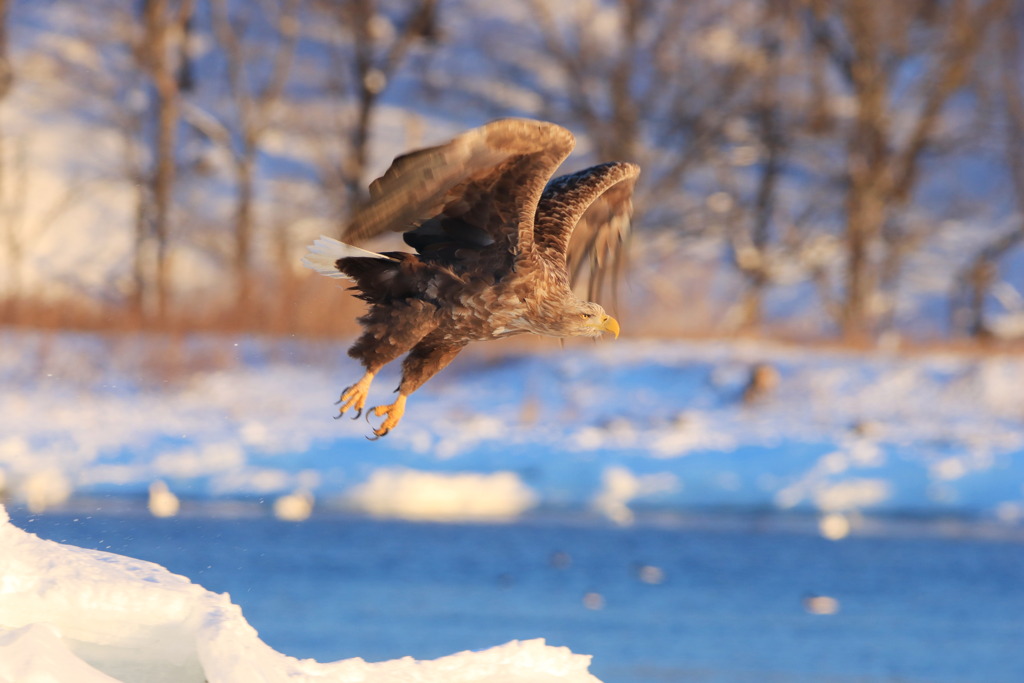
(614, 427)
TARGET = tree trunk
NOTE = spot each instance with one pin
(162, 41)
(163, 184)
(868, 171)
(243, 228)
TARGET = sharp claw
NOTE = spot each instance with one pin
(377, 432)
(353, 397)
(393, 414)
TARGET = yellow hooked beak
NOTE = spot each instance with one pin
(610, 324)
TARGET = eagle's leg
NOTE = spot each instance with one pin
(425, 360)
(389, 332)
(355, 395)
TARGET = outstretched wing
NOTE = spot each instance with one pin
(479, 190)
(583, 219)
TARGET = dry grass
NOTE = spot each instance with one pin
(309, 307)
(305, 308)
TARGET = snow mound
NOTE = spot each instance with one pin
(70, 614)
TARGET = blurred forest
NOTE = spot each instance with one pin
(846, 169)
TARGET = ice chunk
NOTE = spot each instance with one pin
(415, 495)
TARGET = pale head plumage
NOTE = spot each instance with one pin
(589, 320)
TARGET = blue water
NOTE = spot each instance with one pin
(729, 605)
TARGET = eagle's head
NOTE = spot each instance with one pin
(588, 319)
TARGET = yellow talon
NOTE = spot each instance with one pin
(355, 395)
(394, 413)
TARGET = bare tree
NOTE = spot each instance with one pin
(874, 49)
(371, 41)
(6, 68)
(637, 90)
(975, 280)
(13, 177)
(256, 104)
(85, 80)
(753, 174)
(11, 241)
(159, 50)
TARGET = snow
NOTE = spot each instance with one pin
(607, 427)
(71, 614)
(613, 427)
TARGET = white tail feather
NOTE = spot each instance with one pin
(324, 253)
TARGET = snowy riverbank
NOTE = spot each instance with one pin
(609, 427)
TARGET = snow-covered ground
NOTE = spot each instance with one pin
(70, 614)
(612, 427)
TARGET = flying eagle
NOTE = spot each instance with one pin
(498, 248)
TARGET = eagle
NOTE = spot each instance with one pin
(498, 247)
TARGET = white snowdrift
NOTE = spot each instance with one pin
(84, 616)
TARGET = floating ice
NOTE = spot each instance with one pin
(410, 494)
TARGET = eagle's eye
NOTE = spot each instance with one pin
(585, 316)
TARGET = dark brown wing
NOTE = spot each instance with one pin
(584, 219)
(481, 189)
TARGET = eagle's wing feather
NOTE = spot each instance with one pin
(483, 185)
(584, 218)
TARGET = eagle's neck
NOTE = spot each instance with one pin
(545, 296)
